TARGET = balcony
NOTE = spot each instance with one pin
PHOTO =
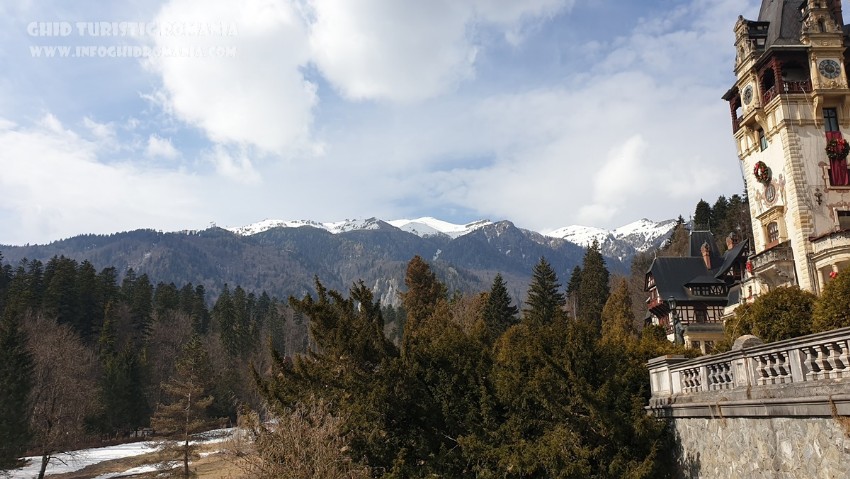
(775, 266)
(804, 86)
(830, 243)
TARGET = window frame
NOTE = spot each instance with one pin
(830, 120)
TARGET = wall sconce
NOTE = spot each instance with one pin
(818, 196)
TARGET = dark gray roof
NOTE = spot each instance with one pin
(734, 295)
(671, 274)
(730, 257)
(785, 21)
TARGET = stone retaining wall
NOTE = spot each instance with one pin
(762, 448)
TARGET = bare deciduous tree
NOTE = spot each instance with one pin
(63, 392)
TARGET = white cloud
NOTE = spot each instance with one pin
(161, 147)
(101, 131)
(256, 96)
(54, 187)
(407, 51)
(235, 165)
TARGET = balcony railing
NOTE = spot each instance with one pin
(780, 253)
(804, 86)
(828, 242)
(810, 360)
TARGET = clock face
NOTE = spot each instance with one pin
(770, 193)
(748, 94)
(829, 68)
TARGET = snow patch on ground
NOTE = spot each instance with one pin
(76, 460)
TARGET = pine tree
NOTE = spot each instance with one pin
(424, 293)
(499, 313)
(545, 302)
(718, 217)
(16, 365)
(678, 245)
(832, 309)
(618, 322)
(186, 412)
(572, 289)
(702, 215)
(593, 289)
(225, 315)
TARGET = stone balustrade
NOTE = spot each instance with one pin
(809, 375)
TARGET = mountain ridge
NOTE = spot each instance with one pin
(284, 257)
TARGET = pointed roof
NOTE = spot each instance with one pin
(785, 21)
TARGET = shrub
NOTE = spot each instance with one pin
(832, 309)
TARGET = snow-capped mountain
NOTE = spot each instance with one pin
(642, 234)
(422, 227)
(622, 242)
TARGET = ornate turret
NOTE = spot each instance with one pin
(789, 104)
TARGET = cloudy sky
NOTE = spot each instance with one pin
(177, 114)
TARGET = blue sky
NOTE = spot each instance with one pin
(543, 112)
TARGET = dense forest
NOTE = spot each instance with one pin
(447, 385)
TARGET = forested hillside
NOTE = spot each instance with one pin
(284, 261)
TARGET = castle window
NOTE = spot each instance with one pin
(830, 119)
(843, 220)
(762, 140)
(773, 232)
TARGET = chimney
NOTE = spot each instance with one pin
(706, 255)
(731, 240)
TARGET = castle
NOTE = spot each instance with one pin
(788, 106)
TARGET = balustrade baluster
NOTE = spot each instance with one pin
(843, 358)
(812, 369)
(823, 361)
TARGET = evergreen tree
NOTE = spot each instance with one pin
(702, 215)
(545, 302)
(225, 316)
(90, 307)
(186, 412)
(140, 301)
(618, 322)
(718, 217)
(832, 309)
(678, 245)
(593, 289)
(424, 294)
(166, 300)
(123, 406)
(572, 289)
(16, 365)
(60, 296)
(499, 313)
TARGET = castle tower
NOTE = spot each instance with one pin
(789, 102)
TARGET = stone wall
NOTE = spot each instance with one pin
(762, 448)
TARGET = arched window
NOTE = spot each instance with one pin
(772, 232)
